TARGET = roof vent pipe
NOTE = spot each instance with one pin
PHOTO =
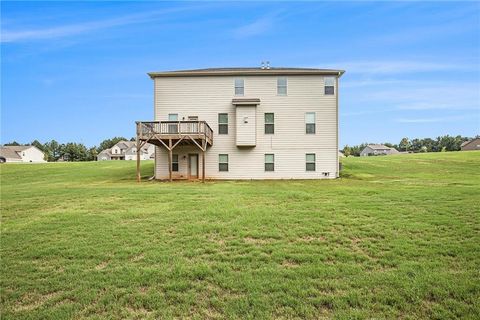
(268, 64)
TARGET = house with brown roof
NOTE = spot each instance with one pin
(127, 150)
(21, 154)
(473, 144)
(377, 150)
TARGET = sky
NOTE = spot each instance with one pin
(76, 71)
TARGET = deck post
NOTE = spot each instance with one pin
(138, 153)
(170, 159)
(203, 161)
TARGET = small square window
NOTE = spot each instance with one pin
(329, 85)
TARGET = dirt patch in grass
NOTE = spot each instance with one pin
(30, 302)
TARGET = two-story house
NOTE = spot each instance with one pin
(244, 123)
(126, 150)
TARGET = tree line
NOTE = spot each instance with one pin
(71, 151)
(439, 144)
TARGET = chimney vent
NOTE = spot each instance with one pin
(263, 65)
(268, 65)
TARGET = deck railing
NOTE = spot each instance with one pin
(146, 128)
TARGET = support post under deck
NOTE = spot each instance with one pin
(138, 158)
(203, 161)
(170, 160)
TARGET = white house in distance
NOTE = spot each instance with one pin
(377, 150)
(21, 154)
(244, 123)
(127, 150)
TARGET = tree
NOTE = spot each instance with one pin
(37, 144)
(347, 151)
(404, 144)
(92, 154)
(53, 150)
(13, 143)
(75, 152)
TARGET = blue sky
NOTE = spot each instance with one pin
(77, 71)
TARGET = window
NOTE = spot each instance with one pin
(310, 122)
(223, 123)
(269, 162)
(269, 123)
(174, 162)
(310, 161)
(223, 162)
(329, 85)
(282, 86)
(239, 87)
(173, 127)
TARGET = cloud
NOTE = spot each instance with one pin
(431, 120)
(398, 67)
(62, 31)
(257, 27)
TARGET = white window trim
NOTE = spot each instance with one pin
(314, 161)
(227, 163)
(235, 87)
(286, 87)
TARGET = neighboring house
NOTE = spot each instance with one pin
(473, 144)
(21, 154)
(245, 123)
(126, 150)
(377, 150)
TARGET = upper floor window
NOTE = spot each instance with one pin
(310, 122)
(223, 123)
(223, 162)
(269, 162)
(173, 127)
(282, 86)
(174, 162)
(239, 87)
(269, 123)
(329, 85)
(310, 162)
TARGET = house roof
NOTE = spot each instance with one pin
(245, 71)
(469, 141)
(379, 147)
(9, 153)
(17, 148)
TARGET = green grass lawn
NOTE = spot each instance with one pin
(396, 237)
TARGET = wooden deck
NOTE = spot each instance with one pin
(170, 134)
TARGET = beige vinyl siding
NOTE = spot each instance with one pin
(246, 134)
(207, 96)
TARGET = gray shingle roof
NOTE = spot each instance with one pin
(246, 71)
(10, 153)
(379, 147)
